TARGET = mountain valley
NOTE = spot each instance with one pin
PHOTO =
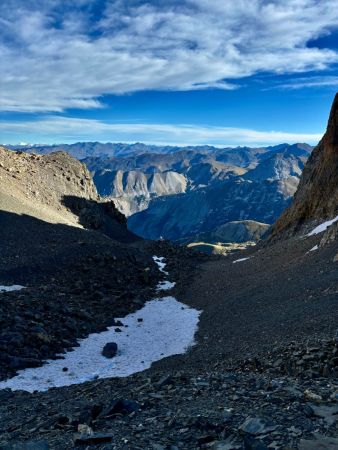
(260, 370)
(169, 225)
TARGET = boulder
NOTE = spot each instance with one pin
(109, 350)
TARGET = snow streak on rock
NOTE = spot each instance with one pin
(159, 260)
(323, 226)
(14, 287)
(165, 285)
(240, 260)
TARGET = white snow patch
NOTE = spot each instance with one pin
(165, 285)
(14, 287)
(322, 227)
(314, 248)
(163, 327)
(166, 328)
(240, 260)
(159, 260)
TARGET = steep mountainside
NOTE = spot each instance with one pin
(237, 231)
(261, 194)
(203, 210)
(317, 195)
(279, 166)
(227, 238)
(37, 184)
(56, 188)
(131, 191)
(132, 182)
(211, 172)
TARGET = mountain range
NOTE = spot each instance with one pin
(259, 189)
(159, 188)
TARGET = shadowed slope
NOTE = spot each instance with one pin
(56, 188)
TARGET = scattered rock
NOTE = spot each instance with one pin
(253, 444)
(93, 439)
(109, 350)
(329, 413)
(166, 379)
(312, 396)
(320, 443)
(257, 426)
(120, 406)
(224, 445)
(83, 428)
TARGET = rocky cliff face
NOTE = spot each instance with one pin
(317, 196)
(132, 190)
(56, 188)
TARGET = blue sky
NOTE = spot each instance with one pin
(250, 72)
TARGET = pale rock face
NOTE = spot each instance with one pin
(132, 190)
(36, 185)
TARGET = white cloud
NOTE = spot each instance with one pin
(311, 82)
(58, 55)
(66, 129)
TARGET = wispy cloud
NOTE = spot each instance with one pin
(310, 82)
(58, 55)
(56, 129)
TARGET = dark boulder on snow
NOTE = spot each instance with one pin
(109, 350)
